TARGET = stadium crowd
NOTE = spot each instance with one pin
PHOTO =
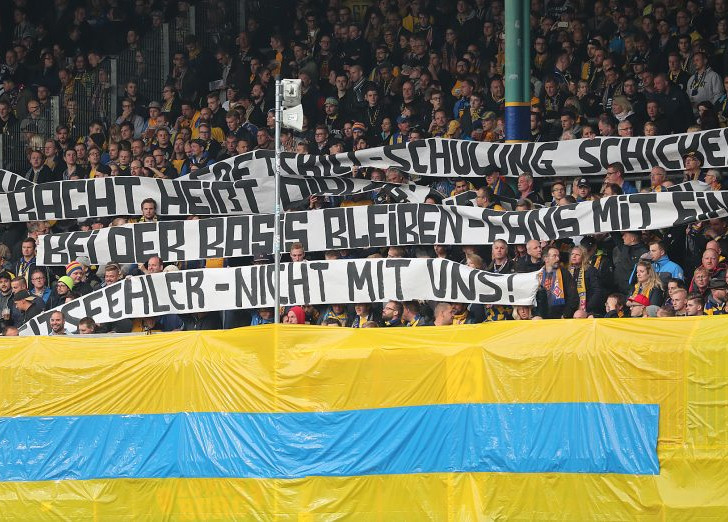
(385, 72)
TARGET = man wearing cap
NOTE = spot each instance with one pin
(334, 122)
(28, 305)
(583, 190)
(402, 135)
(637, 304)
(715, 303)
(693, 163)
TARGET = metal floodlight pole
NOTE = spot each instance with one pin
(277, 229)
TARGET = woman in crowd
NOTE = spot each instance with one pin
(648, 284)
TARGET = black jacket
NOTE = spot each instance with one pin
(625, 258)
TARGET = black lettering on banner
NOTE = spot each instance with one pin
(484, 278)
(460, 158)
(603, 210)
(518, 162)
(175, 278)
(338, 167)
(517, 232)
(248, 287)
(124, 237)
(397, 265)
(478, 169)
(54, 248)
(69, 189)
(718, 201)
(638, 154)
(412, 147)
(377, 235)
(354, 241)
(595, 167)
(439, 286)
(644, 201)
(459, 287)
(194, 279)
(335, 237)
(140, 245)
(292, 233)
(684, 215)
(624, 212)
(101, 195)
(687, 143)
(67, 312)
(541, 219)
(604, 149)
(542, 166)
(210, 247)
(493, 220)
(440, 151)
(88, 302)
(426, 226)
(40, 192)
(451, 222)
(74, 248)
(111, 303)
(236, 230)
(407, 223)
(301, 281)
(262, 232)
(247, 185)
(566, 226)
(131, 295)
(26, 210)
(195, 204)
(357, 281)
(262, 282)
(709, 142)
(319, 267)
(209, 198)
(663, 158)
(171, 238)
(157, 306)
(398, 162)
(380, 279)
(128, 184)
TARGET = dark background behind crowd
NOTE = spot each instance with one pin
(100, 88)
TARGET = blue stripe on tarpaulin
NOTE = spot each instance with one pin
(548, 437)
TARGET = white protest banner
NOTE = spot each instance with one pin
(458, 158)
(123, 196)
(310, 282)
(377, 226)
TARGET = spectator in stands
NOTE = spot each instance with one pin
(87, 326)
(391, 313)
(647, 283)
(27, 305)
(57, 324)
(558, 295)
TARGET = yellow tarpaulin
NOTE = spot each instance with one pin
(681, 364)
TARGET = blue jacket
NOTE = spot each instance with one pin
(663, 266)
